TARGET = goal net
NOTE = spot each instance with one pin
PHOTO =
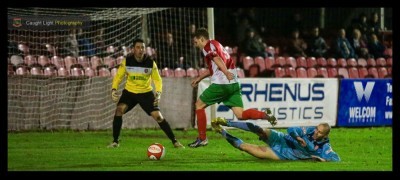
(37, 101)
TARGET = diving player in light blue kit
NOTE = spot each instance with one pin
(301, 143)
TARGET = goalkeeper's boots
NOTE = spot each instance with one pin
(113, 145)
(177, 144)
(198, 143)
(217, 122)
(270, 118)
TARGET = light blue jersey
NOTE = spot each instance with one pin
(287, 148)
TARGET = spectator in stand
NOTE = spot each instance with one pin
(374, 25)
(295, 23)
(342, 46)
(375, 47)
(296, 45)
(316, 45)
(253, 45)
(167, 51)
(359, 45)
(193, 55)
(99, 42)
(71, 44)
(362, 25)
(86, 47)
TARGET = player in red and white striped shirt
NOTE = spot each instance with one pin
(225, 86)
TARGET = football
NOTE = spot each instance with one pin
(156, 151)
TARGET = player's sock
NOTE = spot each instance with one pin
(164, 125)
(253, 114)
(247, 126)
(201, 123)
(117, 124)
(234, 141)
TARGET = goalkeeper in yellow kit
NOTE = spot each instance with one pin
(140, 70)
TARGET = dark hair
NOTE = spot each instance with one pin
(201, 32)
(138, 40)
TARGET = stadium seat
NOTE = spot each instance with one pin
(341, 63)
(332, 72)
(343, 72)
(382, 72)
(371, 62)
(362, 62)
(322, 72)
(43, 60)
(84, 61)
(166, 72)
(311, 72)
(191, 72)
(57, 61)
(62, 71)
(95, 61)
(351, 62)
(373, 72)
(279, 72)
(104, 72)
(16, 59)
(29, 60)
(203, 70)
(291, 62)
(301, 62)
(380, 62)
(109, 61)
(50, 71)
(69, 61)
(362, 72)
(114, 71)
(311, 62)
(111, 49)
(36, 71)
(179, 72)
(279, 62)
(125, 51)
(90, 72)
(240, 73)
(331, 62)
(321, 62)
(388, 52)
(77, 71)
(24, 49)
(301, 72)
(389, 62)
(247, 61)
(270, 50)
(290, 72)
(22, 70)
(260, 62)
(390, 71)
(119, 59)
(353, 72)
(269, 62)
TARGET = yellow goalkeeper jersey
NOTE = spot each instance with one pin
(139, 75)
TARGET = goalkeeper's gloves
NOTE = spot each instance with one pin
(157, 98)
(114, 95)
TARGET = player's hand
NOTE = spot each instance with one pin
(230, 76)
(301, 141)
(114, 95)
(157, 98)
(195, 82)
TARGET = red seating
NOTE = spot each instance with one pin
(362, 62)
(22, 70)
(341, 62)
(15, 60)
(343, 71)
(29, 60)
(190, 72)
(111, 49)
(291, 62)
(373, 72)
(247, 61)
(90, 72)
(279, 72)
(389, 62)
(63, 72)
(240, 73)
(390, 71)
(50, 71)
(95, 61)
(301, 72)
(84, 61)
(36, 71)
(321, 62)
(76, 71)
(57, 61)
(322, 71)
(332, 72)
(311, 72)
(260, 62)
(331, 62)
(301, 62)
(371, 62)
(351, 62)
(179, 72)
(114, 71)
(362, 72)
(43, 60)
(104, 72)
(69, 61)
(166, 72)
(383, 73)
(279, 62)
(353, 72)
(311, 62)
(23, 48)
(119, 59)
(381, 62)
(388, 52)
(269, 62)
(290, 72)
(109, 61)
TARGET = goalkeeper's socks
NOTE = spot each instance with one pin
(247, 126)
(117, 124)
(234, 141)
(164, 125)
